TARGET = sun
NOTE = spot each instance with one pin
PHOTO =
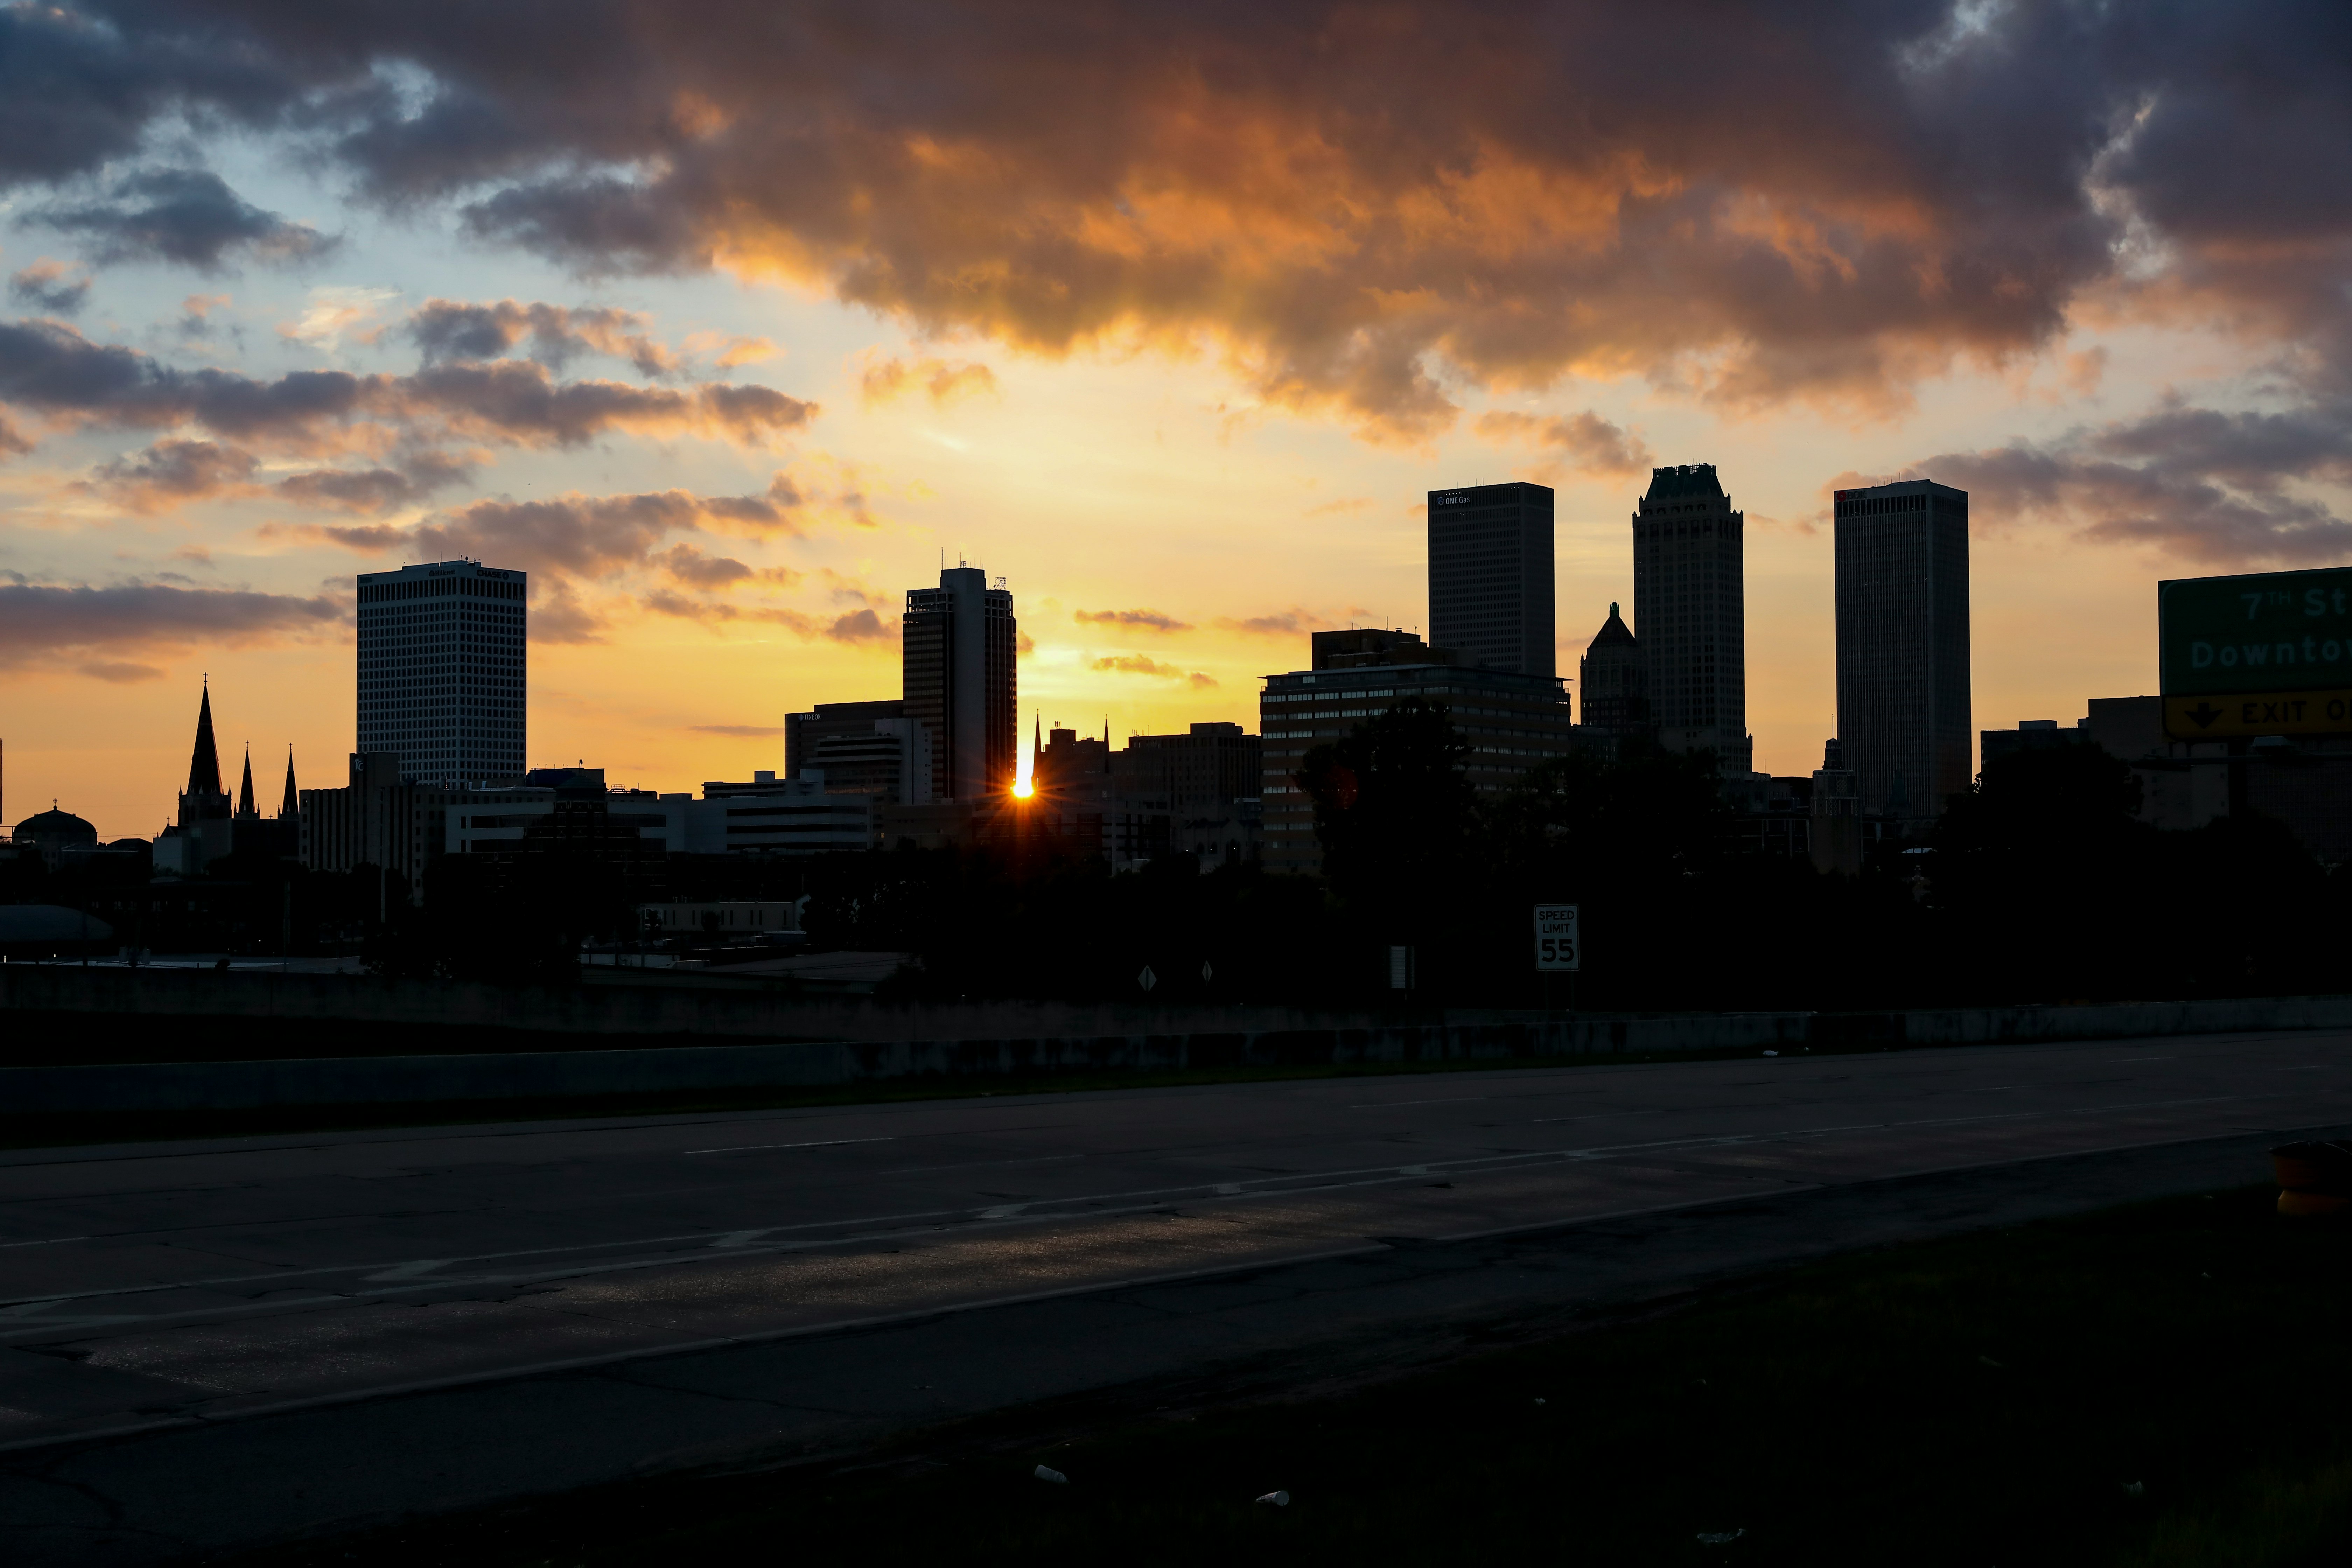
(1024, 788)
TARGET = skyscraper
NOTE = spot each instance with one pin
(442, 673)
(960, 645)
(1490, 595)
(1903, 644)
(1690, 608)
(1614, 680)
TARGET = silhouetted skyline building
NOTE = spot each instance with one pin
(1690, 609)
(1490, 575)
(1902, 692)
(1513, 722)
(863, 747)
(1612, 681)
(962, 683)
(443, 678)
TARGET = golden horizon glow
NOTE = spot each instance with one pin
(729, 353)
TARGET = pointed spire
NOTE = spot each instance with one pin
(245, 790)
(293, 805)
(204, 767)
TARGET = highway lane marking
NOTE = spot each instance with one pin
(52, 1241)
(1093, 1206)
(822, 1143)
(954, 1308)
(1450, 1099)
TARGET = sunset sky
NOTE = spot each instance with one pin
(729, 323)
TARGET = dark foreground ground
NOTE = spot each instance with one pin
(2166, 1384)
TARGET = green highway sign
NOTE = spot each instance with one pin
(2265, 632)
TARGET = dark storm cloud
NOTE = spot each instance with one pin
(40, 625)
(186, 216)
(2225, 488)
(49, 286)
(171, 473)
(1579, 443)
(1364, 208)
(415, 478)
(49, 368)
(586, 537)
(453, 330)
(77, 90)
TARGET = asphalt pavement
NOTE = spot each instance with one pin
(208, 1345)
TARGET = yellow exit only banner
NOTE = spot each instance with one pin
(2258, 714)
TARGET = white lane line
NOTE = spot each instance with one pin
(823, 1144)
(1449, 1099)
(52, 1241)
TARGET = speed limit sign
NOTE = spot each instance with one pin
(1556, 948)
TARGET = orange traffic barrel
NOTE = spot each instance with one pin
(2314, 1178)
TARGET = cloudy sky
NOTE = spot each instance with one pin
(730, 322)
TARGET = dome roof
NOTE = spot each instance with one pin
(57, 826)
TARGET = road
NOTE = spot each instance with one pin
(171, 1312)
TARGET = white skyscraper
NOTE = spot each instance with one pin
(442, 670)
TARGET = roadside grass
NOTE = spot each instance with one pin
(2160, 1386)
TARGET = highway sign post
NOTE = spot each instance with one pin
(2260, 653)
(1560, 947)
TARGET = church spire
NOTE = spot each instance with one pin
(245, 790)
(293, 805)
(204, 767)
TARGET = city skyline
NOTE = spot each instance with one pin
(1183, 365)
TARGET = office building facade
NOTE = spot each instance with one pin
(1903, 645)
(862, 748)
(961, 643)
(1490, 577)
(1690, 610)
(442, 671)
(1513, 723)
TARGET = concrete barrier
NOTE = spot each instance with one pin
(593, 1073)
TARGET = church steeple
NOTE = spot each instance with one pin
(293, 805)
(204, 767)
(244, 791)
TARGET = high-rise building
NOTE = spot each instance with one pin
(441, 670)
(1490, 593)
(1690, 608)
(1614, 680)
(1903, 644)
(960, 644)
(863, 747)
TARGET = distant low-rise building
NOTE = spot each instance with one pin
(1514, 722)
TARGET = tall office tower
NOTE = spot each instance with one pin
(1903, 645)
(442, 670)
(1614, 680)
(1490, 577)
(1690, 607)
(960, 645)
